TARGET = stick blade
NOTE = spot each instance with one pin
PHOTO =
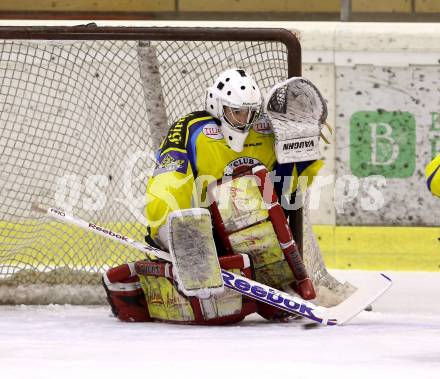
(360, 299)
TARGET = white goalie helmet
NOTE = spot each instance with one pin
(236, 101)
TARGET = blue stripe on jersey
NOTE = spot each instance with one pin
(194, 132)
(284, 170)
(428, 183)
(301, 166)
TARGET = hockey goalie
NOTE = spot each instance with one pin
(213, 202)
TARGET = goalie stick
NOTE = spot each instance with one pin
(337, 315)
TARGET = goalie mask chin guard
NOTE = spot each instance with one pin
(234, 92)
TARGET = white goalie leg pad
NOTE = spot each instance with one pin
(193, 253)
(296, 111)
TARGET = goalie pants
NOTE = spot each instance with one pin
(145, 291)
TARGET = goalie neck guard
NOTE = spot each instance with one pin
(236, 101)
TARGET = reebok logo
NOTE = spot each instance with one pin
(109, 232)
(269, 296)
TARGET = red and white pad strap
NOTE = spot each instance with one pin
(122, 278)
(284, 234)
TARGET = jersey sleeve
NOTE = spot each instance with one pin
(288, 174)
(307, 170)
(167, 191)
(171, 186)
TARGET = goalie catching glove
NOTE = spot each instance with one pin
(297, 111)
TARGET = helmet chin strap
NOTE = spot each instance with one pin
(234, 139)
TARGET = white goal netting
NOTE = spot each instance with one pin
(80, 122)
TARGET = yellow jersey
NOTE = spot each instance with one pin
(433, 176)
(194, 154)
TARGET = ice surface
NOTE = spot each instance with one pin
(399, 339)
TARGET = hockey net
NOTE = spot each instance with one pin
(81, 117)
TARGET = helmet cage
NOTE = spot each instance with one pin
(253, 113)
